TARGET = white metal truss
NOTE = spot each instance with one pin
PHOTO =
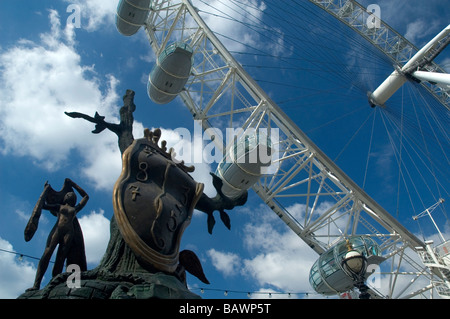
(315, 198)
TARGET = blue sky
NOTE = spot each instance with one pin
(313, 67)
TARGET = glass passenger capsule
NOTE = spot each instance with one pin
(327, 275)
(244, 164)
(131, 15)
(170, 73)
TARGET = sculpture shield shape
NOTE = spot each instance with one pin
(154, 199)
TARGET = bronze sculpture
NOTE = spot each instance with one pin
(66, 233)
(124, 132)
(153, 202)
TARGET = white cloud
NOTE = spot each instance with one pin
(106, 167)
(283, 260)
(421, 31)
(227, 263)
(95, 13)
(41, 80)
(15, 276)
(279, 259)
(96, 234)
(415, 29)
(22, 215)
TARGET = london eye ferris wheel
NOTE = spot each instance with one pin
(360, 119)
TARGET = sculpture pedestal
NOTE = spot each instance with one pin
(125, 286)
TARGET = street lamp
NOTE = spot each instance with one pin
(355, 265)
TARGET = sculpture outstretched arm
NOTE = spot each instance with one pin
(123, 130)
(100, 123)
(220, 202)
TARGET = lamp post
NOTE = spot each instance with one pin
(355, 265)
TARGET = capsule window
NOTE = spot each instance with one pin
(224, 166)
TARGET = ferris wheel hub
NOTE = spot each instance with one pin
(410, 70)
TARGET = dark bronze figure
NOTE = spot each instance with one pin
(66, 234)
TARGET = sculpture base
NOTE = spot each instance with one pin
(114, 286)
(118, 276)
